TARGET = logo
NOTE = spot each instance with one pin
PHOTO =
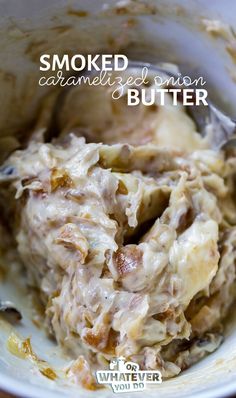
(127, 377)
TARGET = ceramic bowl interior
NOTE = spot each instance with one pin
(166, 31)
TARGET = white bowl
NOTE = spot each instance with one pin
(174, 33)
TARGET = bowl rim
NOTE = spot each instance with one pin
(20, 389)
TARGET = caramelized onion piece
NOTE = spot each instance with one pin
(127, 259)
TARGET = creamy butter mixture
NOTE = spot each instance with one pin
(131, 242)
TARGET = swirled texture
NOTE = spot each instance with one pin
(131, 247)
